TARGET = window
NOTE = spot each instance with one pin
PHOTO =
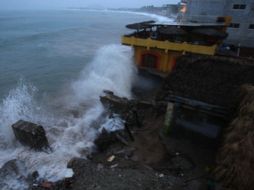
(149, 61)
(239, 6)
(234, 25)
(251, 26)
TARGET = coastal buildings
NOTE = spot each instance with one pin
(157, 46)
(241, 29)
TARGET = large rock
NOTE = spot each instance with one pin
(131, 111)
(116, 104)
(30, 134)
(121, 105)
(13, 175)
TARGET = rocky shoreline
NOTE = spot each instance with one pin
(136, 152)
(139, 156)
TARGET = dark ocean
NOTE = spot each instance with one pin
(50, 48)
(55, 63)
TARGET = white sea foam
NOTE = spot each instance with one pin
(18, 104)
(113, 124)
(156, 17)
(111, 69)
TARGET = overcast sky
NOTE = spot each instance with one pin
(54, 4)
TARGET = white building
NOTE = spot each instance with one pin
(241, 30)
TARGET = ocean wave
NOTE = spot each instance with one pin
(69, 136)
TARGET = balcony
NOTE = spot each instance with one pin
(168, 45)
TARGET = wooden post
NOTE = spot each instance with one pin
(169, 118)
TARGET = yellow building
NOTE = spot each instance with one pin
(157, 46)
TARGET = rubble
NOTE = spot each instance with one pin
(138, 156)
(30, 134)
(115, 104)
(144, 120)
(114, 177)
(133, 112)
(111, 158)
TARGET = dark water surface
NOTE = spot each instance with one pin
(50, 48)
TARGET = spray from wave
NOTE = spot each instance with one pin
(111, 69)
(158, 18)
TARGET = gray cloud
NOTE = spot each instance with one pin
(55, 4)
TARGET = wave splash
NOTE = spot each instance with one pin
(69, 136)
(158, 18)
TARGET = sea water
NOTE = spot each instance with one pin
(54, 63)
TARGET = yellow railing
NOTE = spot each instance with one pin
(169, 46)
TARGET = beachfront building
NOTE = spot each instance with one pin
(157, 46)
(241, 29)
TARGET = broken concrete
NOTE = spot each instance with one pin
(132, 111)
(115, 104)
(138, 163)
(30, 134)
(145, 162)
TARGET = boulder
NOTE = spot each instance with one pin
(30, 134)
(13, 175)
(9, 168)
(116, 104)
(131, 111)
